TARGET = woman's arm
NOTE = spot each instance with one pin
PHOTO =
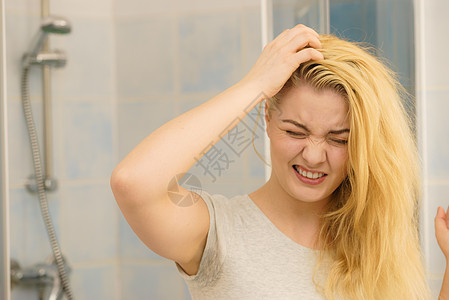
(140, 181)
(145, 173)
(442, 234)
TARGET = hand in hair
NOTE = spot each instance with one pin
(442, 230)
(282, 56)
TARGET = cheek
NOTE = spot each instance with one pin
(286, 146)
(338, 158)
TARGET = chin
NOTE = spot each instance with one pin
(310, 196)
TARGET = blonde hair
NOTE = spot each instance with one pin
(370, 230)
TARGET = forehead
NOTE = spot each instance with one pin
(325, 109)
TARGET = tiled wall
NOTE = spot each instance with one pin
(84, 132)
(434, 91)
(132, 66)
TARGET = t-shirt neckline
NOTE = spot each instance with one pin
(275, 229)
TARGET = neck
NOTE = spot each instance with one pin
(292, 207)
(293, 215)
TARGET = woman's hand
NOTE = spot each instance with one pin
(442, 230)
(281, 57)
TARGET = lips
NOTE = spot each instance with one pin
(308, 173)
(308, 176)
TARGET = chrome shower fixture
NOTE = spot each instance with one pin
(55, 25)
(39, 55)
(34, 56)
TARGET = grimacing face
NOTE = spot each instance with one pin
(308, 140)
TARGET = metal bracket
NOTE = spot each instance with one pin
(56, 58)
(50, 184)
(44, 276)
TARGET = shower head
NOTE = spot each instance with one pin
(48, 25)
(55, 25)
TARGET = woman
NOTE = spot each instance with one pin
(338, 217)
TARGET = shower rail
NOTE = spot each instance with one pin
(35, 56)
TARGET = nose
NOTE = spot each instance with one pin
(314, 152)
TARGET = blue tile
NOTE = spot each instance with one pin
(209, 51)
(89, 217)
(20, 158)
(90, 70)
(95, 282)
(88, 139)
(137, 119)
(145, 51)
(29, 239)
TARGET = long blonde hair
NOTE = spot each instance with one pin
(370, 230)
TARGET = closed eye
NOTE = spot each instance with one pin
(339, 141)
(296, 134)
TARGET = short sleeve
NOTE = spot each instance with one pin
(215, 249)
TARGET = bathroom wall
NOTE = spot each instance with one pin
(433, 93)
(132, 66)
(84, 146)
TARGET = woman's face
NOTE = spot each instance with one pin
(308, 137)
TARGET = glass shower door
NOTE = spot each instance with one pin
(4, 253)
(388, 26)
(312, 13)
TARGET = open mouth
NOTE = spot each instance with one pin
(308, 174)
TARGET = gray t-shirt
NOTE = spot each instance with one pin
(247, 257)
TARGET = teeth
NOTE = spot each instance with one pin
(309, 174)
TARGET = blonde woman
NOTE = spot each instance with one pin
(338, 217)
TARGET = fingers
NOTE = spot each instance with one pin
(306, 55)
(447, 217)
(440, 214)
(297, 38)
(282, 56)
(295, 46)
(442, 219)
(302, 40)
(301, 28)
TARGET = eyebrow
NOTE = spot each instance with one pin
(308, 130)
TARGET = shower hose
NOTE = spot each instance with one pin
(41, 187)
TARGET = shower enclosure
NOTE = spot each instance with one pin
(134, 65)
